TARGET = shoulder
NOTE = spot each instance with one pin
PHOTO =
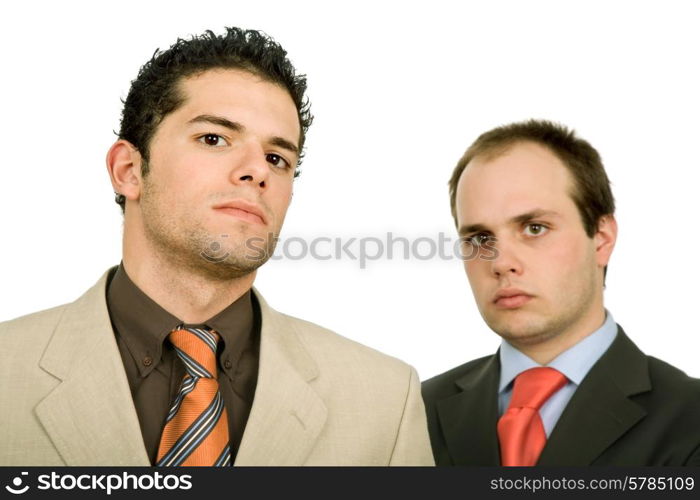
(330, 348)
(24, 341)
(625, 361)
(34, 328)
(670, 398)
(39, 326)
(673, 382)
(444, 385)
(327, 348)
(359, 385)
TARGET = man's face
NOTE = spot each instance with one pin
(545, 279)
(221, 173)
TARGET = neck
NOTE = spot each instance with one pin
(546, 351)
(191, 296)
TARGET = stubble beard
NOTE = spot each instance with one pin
(183, 243)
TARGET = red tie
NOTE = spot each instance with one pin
(520, 430)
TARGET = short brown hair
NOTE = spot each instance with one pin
(591, 194)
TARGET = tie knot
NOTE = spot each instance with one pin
(196, 347)
(535, 386)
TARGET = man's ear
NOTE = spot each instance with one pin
(605, 238)
(124, 167)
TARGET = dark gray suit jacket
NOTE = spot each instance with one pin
(631, 409)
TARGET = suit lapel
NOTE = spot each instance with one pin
(600, 411)
(90, 416)
(287, 415)
(468, 418)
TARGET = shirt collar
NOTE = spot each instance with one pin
(574, 363)
(144, 325)
(235, 327)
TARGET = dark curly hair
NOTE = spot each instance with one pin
(155, 92)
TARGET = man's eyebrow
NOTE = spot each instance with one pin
(218, 120)
(472, 228)
(280, 142)
(533, 214)
(283, 143)
(518, 219)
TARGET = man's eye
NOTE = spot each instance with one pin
(277, 161)
(535, 229)
(213, 140)
(477, 239)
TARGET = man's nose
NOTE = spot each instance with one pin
(251, 167)
(506, 259)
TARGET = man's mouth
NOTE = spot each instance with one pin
(243, 210)
(511, 298)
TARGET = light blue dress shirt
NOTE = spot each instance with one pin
(574, 363)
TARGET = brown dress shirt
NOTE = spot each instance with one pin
(154, 370)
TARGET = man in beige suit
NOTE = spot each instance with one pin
(211, 136)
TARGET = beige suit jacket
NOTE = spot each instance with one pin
(321, 399)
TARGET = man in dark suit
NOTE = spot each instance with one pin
(533, 206)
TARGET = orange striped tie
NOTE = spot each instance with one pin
(196, 428)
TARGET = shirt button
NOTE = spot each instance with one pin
(228, 364)
(147, 361)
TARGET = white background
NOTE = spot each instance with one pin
(399, 90)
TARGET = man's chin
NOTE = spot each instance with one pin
(520, 327)
(227, 269)
(223, 262)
